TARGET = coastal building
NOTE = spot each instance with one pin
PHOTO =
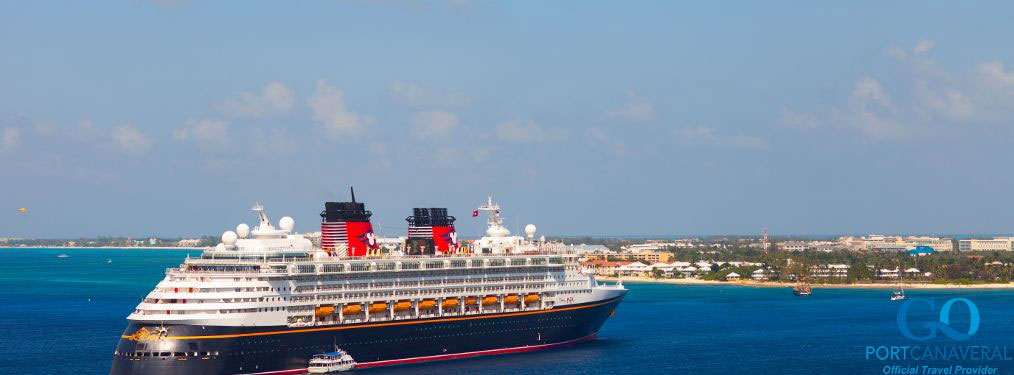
(760, 274)
(937, 244)
(603, 267)
(732, 276)
(995, 244)
(887, 274)
(588, 249)
(793, 246)
(634, 269)
(650, 256)
(829, 271)
(189, 243)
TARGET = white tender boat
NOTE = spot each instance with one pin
(327, 363)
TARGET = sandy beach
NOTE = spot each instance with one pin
(782, 284)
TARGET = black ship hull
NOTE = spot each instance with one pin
(189, 349)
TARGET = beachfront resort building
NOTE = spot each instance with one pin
(761, 274)
(995, 244)
(830, 271)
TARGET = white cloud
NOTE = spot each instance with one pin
(923, 46)
(274, 98)
(328, 107)
(433, 124)
(994, 74)
(415, 95)
(707, 136)
(527, 131)
(210, 133)
(868, 90)
(129, 139)
(11, 139)
(637, 108)
(949, 103)
(797, 120)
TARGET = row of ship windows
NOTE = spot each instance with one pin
(418, 292)
(390, 275)
(428, 274)
(380, 285)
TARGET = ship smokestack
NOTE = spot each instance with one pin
(430, 231)
(347, 223)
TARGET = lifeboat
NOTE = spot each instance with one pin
(449, 303)
(378, 307)
(532, 298)
(427, 304)
(322, 311)
(352, 309)
(511, 299)
(402, 306)
(471, 301)
(489, 300)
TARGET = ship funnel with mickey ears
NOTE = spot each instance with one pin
(347, 224)
(431, 230)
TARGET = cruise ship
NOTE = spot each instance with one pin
(267, 300)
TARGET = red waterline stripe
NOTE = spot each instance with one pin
(280, 372)
(520, 349)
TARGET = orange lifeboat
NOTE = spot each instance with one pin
(352, 309)
(450, 303)
(322, 311)
(471, 301)
(378, 307)
(489, 300)
(427, 304)
(532, 298)
(511, 299)
(402, 305)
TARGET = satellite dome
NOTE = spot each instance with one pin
(286, 223)
(530, 230)
(243, 230)
(229, 238)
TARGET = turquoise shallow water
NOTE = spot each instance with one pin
(64, 315)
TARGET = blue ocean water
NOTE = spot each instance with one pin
(64, 315)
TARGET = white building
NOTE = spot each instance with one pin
(888, 274)
(760, 274)
(840, 271)
(634, 269)
(995, 244)
(793, 246)
(189, 243)
(938, 244)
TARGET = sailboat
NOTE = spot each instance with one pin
(899, 292)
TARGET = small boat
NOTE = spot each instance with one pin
(63, 256)
(109, 261)
(802, 290)
(898, 295)
(328, 363)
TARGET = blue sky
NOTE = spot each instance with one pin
(583, 117)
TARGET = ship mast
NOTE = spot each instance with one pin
(495, 222)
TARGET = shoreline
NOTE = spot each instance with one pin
(783, 284)
(98, 248)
